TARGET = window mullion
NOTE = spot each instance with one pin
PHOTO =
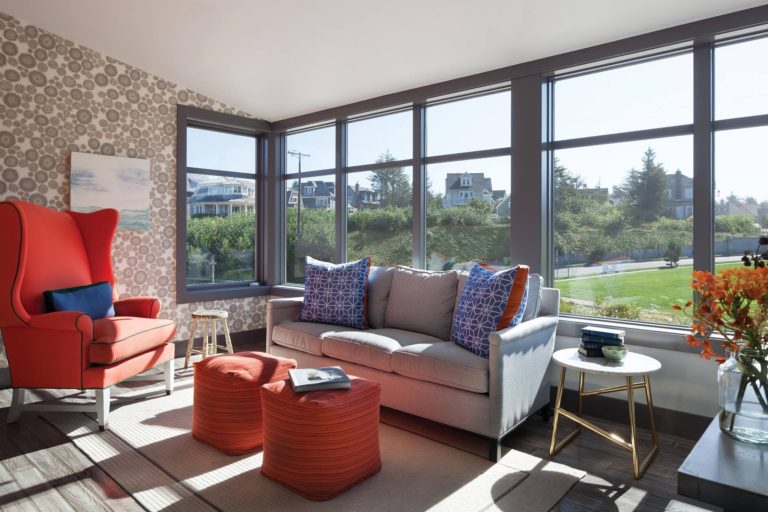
(703, 152)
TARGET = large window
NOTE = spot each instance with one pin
(623, 211)
(645, 166)
(218, 204)
(741, 195)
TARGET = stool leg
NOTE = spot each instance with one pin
(206, 333)
(226, 336)
(190, 344)
(213, 348)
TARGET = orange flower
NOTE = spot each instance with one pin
(733, 307)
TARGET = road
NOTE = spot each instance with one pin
(611, 268)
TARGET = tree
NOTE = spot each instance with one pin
(645, 191)
(673, 252)
(393, 185)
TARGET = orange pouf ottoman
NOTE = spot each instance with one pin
(321, 443)
(227, 400)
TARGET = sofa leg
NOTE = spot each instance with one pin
(17, 401)
(494, 450)
(168, 371)
(102, 407)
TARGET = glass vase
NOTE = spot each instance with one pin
(742, 415)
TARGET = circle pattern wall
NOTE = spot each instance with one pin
(57, 97)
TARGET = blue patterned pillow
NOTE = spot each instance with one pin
(336, 294)
(482, 303)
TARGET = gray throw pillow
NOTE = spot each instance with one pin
(422, 301)
(533, 306)
(379, 286)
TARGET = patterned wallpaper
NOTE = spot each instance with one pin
(59, 97)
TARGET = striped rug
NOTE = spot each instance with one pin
(150, 452)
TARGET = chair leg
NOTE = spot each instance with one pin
(226, 337)
(168, 371)
(102, 407)
(17, 401)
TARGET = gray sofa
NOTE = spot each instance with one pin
(405, 349)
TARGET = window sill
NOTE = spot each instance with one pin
(211, 293)
(642, 335)
(287, 290)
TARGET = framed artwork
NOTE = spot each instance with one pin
(100, 181)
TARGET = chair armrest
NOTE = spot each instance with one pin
(144, 307)
(51, 352)
(63, 321)
(518, 362)
(280, 311)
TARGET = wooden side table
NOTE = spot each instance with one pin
(207, 318)
(634, 365)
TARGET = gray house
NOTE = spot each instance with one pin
(680, 195)
(461, 188)
(313, 194)
(220, 196)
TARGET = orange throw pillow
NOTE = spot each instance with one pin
(515, 296)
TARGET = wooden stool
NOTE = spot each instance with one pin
(208, 319)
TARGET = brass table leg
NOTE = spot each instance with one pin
(632, 427)
(581, 397)
(554, 446)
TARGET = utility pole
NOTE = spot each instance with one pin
(299, 155)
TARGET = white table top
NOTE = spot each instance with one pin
(633, 364)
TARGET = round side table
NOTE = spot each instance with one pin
(634, 365)
(208, 318)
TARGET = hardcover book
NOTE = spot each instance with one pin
(603, 331)
(316, 379)
(590, 352)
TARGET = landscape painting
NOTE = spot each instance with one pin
(100, 181)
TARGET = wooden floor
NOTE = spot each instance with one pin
(41, 470)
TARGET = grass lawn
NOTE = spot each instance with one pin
(652, 291)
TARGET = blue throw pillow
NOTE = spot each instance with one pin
(336, 294)
(94, 300)
(480, 308)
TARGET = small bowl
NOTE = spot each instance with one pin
(614, 353)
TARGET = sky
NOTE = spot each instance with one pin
(654, 94)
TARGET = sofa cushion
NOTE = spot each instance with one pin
(443, 363)
(379, 286)
(372, 348)
(336, 294)
(304, 336)
(483, 301)
(120, 337)
(421, 301)
(533, 305)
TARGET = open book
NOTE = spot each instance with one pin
(315, 379)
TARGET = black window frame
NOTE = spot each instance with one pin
(193, 117)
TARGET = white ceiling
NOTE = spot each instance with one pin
(277, 59)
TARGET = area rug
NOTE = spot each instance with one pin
(150, 452)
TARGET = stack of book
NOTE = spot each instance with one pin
(593, 339)
(316, 379)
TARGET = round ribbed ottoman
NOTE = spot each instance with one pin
(321, 443)
(227, 400)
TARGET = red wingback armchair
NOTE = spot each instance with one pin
(43, 250)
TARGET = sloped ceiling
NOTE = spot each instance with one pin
(280, 59)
